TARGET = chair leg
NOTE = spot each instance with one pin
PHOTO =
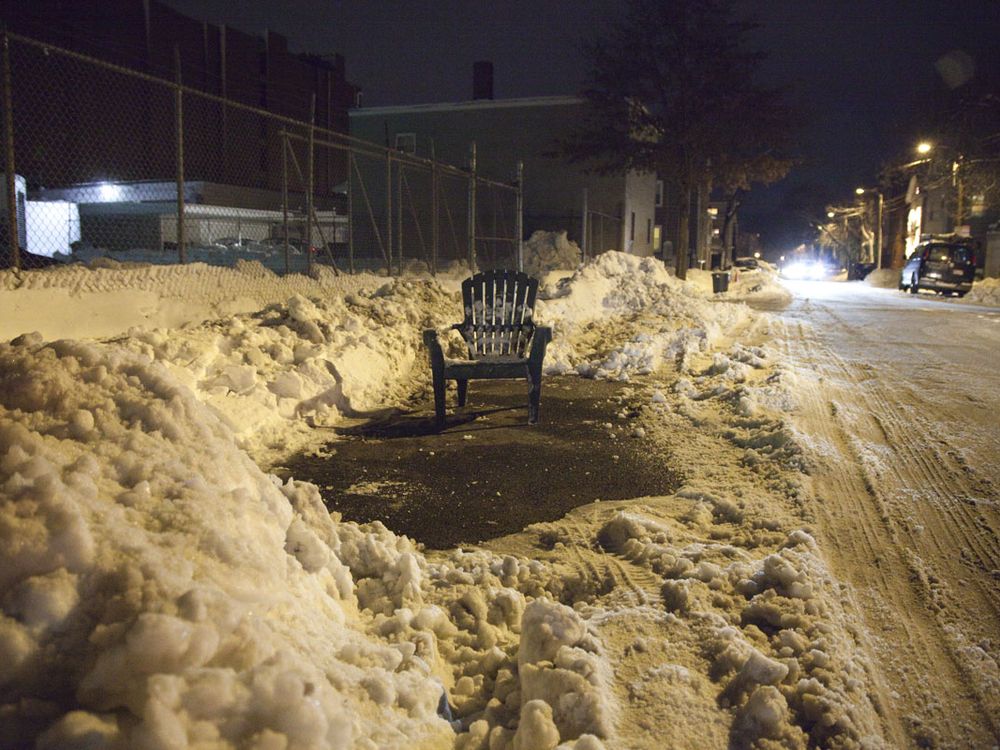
(463, 389)
(439, 393)
(534, 395)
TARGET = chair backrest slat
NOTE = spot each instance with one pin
(498, 313)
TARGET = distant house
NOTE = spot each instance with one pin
(557, 194)
(944, 207)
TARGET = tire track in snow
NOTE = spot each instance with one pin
(865, 546)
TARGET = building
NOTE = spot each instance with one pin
(80, 124)
(599, 212)
(944, 207)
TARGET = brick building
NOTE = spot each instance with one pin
(78, 123)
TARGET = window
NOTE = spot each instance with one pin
(649, 230)
(659, 193)
(631, 231)
(657, 234)
(406, 142)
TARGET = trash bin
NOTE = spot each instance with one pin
(720, 281)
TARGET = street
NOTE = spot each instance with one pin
(898, 401)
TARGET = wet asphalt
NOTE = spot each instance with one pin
(487, 473)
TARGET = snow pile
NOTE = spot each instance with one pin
(883, 278)
(306, 362)
(549, 251)
(630, 312)
(162, 591)
(985, 292)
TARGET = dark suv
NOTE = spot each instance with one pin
(943, 267)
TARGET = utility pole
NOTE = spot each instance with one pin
(878, 229)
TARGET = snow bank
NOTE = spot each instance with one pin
(306, 362)
(550, 251)
(161, 591)
(108, 298)
(631, 313)
(164, 592)
(762, 282)
(883, 278)
(985, 292)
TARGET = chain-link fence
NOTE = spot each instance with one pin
(105, 161)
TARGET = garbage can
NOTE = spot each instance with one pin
(720, 281)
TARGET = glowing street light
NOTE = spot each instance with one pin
(924, 147)
(859, 191)
(829, 214)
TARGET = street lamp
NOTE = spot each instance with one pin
(880, 207)
(924, 147)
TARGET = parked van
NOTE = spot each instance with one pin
(942, 267)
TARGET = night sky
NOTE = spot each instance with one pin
(862, 73)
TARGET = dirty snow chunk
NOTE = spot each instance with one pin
(550, 251)
(562, 663)
(765, 716)
(624, 526)
(536, 731)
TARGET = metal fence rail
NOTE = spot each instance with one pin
(104, 160)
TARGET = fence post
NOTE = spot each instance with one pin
(309, 183)
(472, 207)
(388, 209)
(350, 210)
(399, 217)
(584, 244)
(179, 125)
(519, 217)
(284, 195)
(179, 152)
(434, 217)
(13, 231)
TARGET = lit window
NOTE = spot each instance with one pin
(713, 211)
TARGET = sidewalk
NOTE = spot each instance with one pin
(488, 473)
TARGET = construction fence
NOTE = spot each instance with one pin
(101, 160)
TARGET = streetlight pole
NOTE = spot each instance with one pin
(878, 230)
(879, 211)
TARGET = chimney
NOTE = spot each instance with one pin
(482, 79)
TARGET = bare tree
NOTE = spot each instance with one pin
(672, 90)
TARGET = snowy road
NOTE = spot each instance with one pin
(899, 402)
